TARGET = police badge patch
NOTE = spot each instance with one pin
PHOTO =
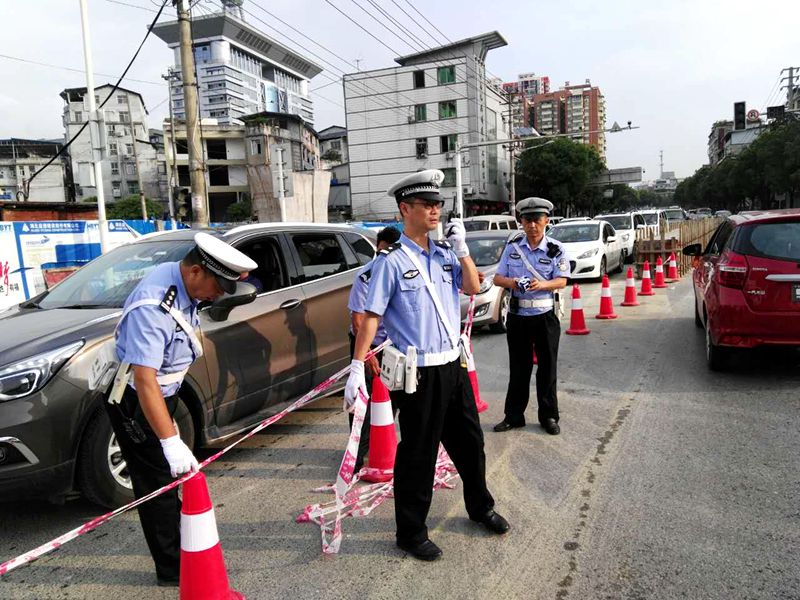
(365, 276)
(562, 264)
(514, 255)
(410, 274)
(447, 267)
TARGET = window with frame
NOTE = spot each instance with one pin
(130, 169)
(336, 144)
(78, 116)
(129, 149)
(445, 75)
(255, 147)
(362, 248)
(124, 117)
(719, 239)
(270, 273)
(447, 143)
(419, 79)
(320, 255)
(422, 147)
(449, 178)
(112, 148)
(420, 112)
(447, 109)
(133, 187)
(122, 99)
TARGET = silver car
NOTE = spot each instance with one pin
(491, 302)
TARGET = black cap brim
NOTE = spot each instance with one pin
(227, 285)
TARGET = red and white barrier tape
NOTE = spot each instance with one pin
(55, 544)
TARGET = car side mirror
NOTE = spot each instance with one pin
(693, 250)
(611, 238)
(221, 307)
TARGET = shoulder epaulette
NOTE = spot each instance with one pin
(169, 298)
(517, 237)
(444, 244)
(389, 249)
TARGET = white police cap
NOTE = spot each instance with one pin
(423, 185)
(223, 260)
(530, 207)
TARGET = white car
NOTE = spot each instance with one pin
(593, 248)
(625, 224)
(491, 223)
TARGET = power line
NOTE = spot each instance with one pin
(430, 35)
(399, 25)
(42, 64)
(111, 93)
(386, 27)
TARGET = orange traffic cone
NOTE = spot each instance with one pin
(672, 271)
(659, 282)
(606, 304)
(630, 290)
(577, 323)
(203, 575)
(647, 285)
(473, 379)
(382, 437)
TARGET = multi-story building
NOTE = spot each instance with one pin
(521, 93)
(124, 144)
(410, 117)
(336, 157)
(19, 159)
(576, 110)
(716, 141)
(240, 70)
(531, 84)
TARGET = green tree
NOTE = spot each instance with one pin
(131, 208)
(238, 212)
(561, 171)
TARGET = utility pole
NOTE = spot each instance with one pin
(661, 162)
(459, 189)
(197, 171)
(512, 192)
(789, 86)
(172, 179)
(138, 172)
(94, 131)
(281, 187)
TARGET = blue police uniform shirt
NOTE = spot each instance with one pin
(148, 336)
(397, 293)
(511, 265)
(358, 298)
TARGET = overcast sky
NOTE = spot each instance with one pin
(671, 67)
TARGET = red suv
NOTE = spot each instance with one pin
(747, 283)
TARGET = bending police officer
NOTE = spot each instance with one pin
(533, 266)
(414, 288)
(156, 344)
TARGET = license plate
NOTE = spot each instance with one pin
(796, 292)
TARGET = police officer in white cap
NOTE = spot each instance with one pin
(534, 267)
(414, 288)
(156, 344)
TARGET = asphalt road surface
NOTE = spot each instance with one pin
(668, 481)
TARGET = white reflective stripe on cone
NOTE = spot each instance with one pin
(659, 268)
(646, 274)
(577, 304)
(673, 263)
(382, 414)
(605, 292)
(199, 532)
(630, 283)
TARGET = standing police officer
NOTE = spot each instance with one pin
(415, 289)
(533, 266)
(358, 298)
(156, 345)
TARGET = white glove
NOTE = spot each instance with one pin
(355, 382)
(456, 234)
(524, 284)
(180, 458)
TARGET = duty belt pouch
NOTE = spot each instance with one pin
(558, 304)
(514, 303)
(464, 350)
(393, 369)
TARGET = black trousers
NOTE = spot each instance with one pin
(442, 409)
(149, 470)
(543, 332)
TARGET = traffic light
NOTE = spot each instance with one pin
(739, 115)
(183, 204)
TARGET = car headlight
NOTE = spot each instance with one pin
(27, 376)
(589, 253)
(487, 284)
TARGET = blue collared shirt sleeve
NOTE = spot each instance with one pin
(502, 267)
(144, 335)
(381, 286)
(358, 294)
(561, 265)
(458, 272)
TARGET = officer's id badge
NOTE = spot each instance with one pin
(410, 274)
(447, 267)
(514, 255)
(365, 276)
(562, 264)
(545, 261)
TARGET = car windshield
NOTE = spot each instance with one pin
(650, 218)
(779, 241)
(109, 279)
(575, 233)
(621, 222)
(674, 215)
(486, 251)
(476, 225)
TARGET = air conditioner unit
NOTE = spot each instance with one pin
(450, 155)
(411, 119)
(468, 189)
(116, 193)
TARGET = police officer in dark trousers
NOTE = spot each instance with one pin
(534, 267)
(156, 345)
(358, 298)
(414, 288)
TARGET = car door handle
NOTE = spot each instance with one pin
(290, 304)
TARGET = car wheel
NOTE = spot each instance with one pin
(621, 264)
(102, 474)
(697, 320)
(631, 258)
(502, 324)
(603, 267)
(716, 356)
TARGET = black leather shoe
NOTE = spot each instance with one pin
(505, 426)
(551, 426)
(172, 582)
(494, 523)
(425, 550)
